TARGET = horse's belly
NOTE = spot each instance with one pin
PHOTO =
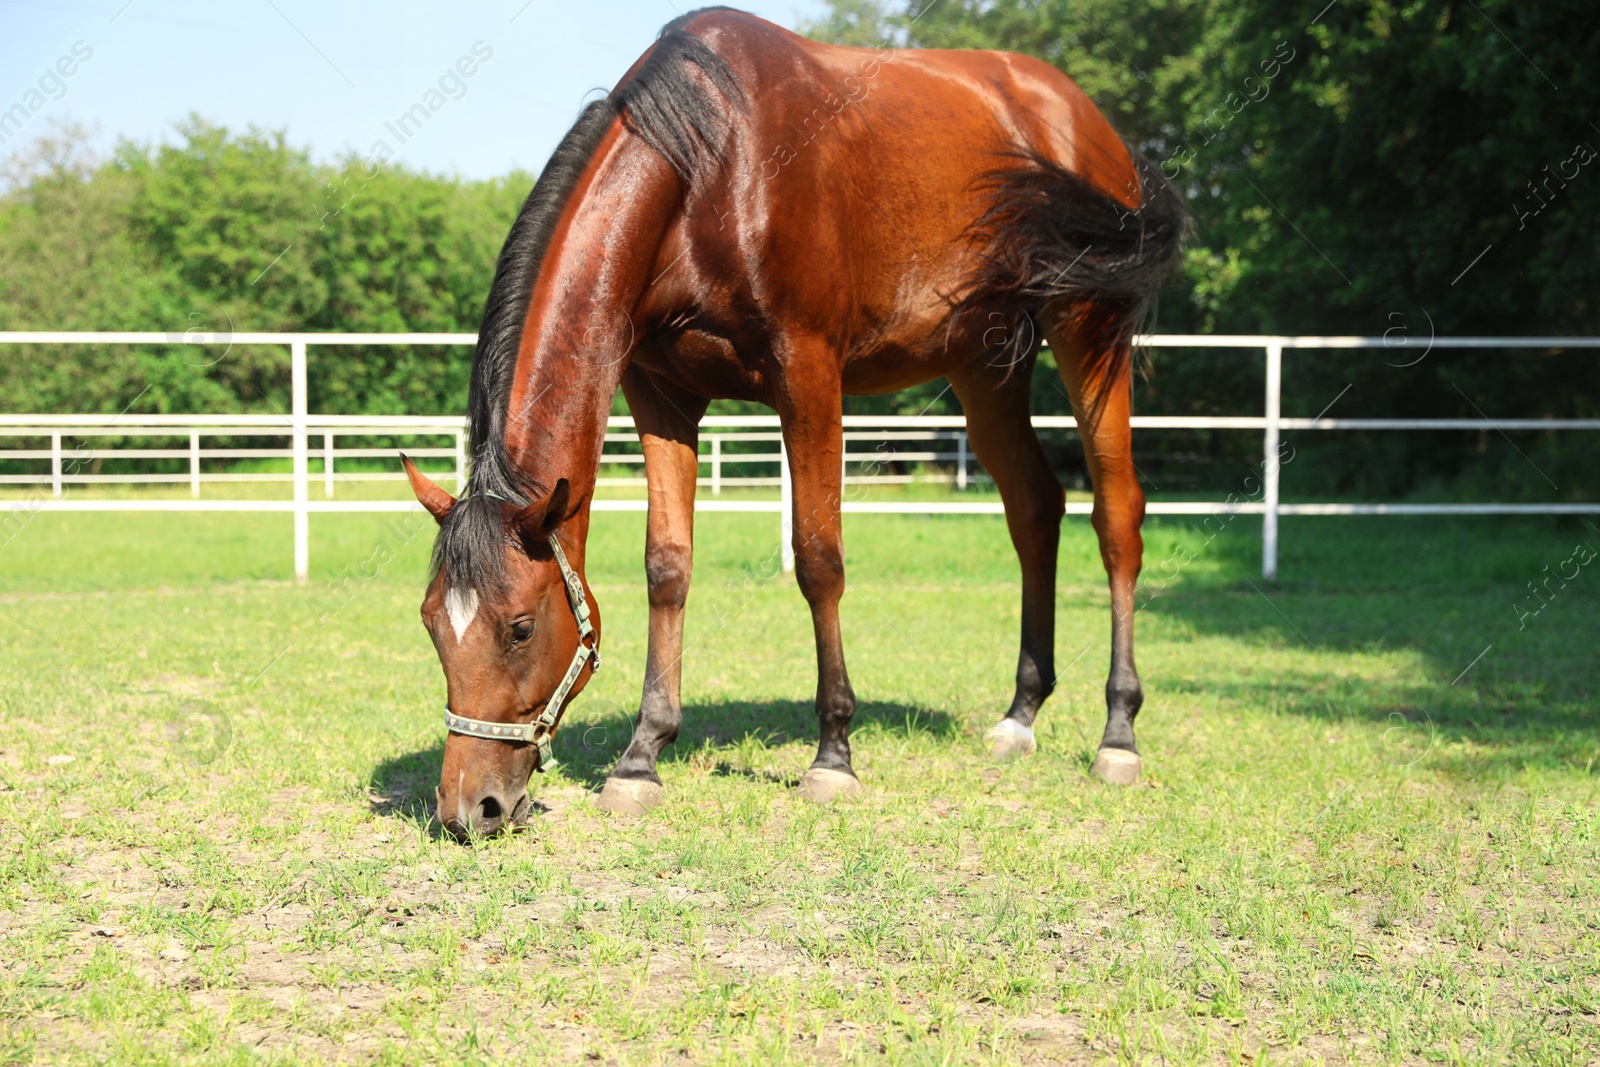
(887, 368)
(917, 348)
(704, 364)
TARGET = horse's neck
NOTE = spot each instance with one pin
(579, 330)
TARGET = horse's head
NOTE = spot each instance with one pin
(510, 619)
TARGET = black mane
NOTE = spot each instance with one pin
(667, 106)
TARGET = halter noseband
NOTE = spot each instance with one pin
(541, 731)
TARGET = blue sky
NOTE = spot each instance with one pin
(331, 73)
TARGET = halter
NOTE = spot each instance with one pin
(541, 731)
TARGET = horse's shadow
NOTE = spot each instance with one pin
(595, 735)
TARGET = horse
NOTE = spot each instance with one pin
(753, 215)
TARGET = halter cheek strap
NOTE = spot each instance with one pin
(541, 731)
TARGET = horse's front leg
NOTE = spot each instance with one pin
(668, 421)
(813, 432)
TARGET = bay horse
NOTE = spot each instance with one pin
(751, 214)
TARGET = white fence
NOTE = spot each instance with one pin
(941, 439)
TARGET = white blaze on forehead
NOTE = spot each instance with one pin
(463, 608)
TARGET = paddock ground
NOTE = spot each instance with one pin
(1368, 831)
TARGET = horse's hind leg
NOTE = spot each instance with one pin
(1094, 360)
(668, 421)
(996, 406)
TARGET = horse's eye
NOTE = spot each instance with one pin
(521, 630)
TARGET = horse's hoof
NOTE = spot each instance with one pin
(1117, 766)
(629, 796)
(821, 785)
(1008, 740)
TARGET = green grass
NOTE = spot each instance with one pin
(1348, 846)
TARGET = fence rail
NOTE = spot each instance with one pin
(941, 438)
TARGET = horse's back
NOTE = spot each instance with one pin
(967, 105)
(859, 174)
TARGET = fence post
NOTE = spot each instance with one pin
(961, 462)
(302, 517)
(194, 465)
(1269, 465)
(461, 462)
(716, 466)
(786, 508)
(327, 464)
(55, 464)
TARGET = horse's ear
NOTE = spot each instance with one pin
(538, 520)
(430, 496)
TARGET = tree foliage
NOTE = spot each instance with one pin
(230, 232)
(1347, 166)
(1398, 167)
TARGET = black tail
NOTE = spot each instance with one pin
(1049, 237)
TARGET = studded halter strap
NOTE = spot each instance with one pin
(541, 731)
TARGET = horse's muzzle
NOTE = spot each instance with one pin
(489, 813)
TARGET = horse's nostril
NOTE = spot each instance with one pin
(489, 808)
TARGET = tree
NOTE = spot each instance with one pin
(233, 232)
(1345, 167)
